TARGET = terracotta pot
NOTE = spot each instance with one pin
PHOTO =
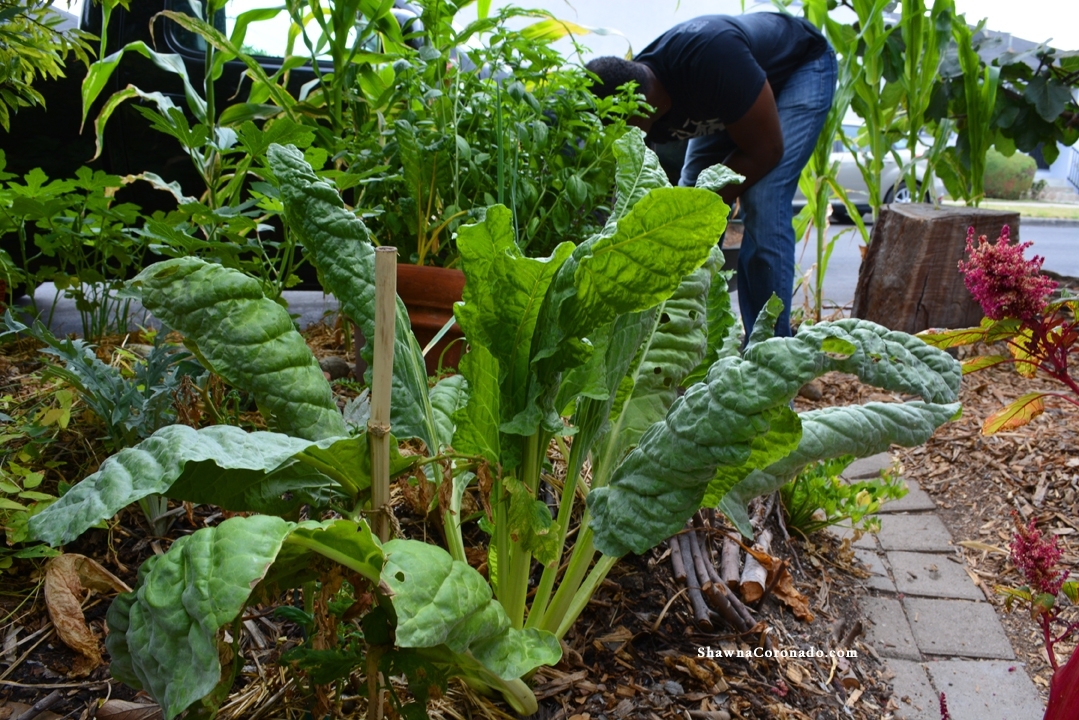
(429, 294)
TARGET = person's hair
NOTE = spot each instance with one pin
(614, 72)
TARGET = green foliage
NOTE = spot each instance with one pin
(245, 337)
(463, 125)
(818, 498)
(721, 445)
(131, 403)
(30, 429)
(32, 46)
(1008, 178)
(71, 232)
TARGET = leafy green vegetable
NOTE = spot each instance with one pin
(163, 636)
(440, 600)
(342, 250)
(221, 464)
(246, 338)
(664, 480)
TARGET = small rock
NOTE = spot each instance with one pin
(673, 688)
(335, 367)
(812, 390)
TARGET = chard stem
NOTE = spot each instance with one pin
(584, 594)
(580, 559)
(520, 560)
(565, 510)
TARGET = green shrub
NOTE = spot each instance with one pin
(1008, 178)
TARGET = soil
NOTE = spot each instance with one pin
(636, 651)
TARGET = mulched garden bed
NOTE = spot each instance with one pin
(636, 651)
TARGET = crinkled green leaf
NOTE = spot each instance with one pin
(859, 430)
(477, 422)
(163, 637)
(341, 247)
(665, 236)
(440, 601)
(633, 265)
(782, 438)
(717, 177)
(502, 299)
(448, 396)
(674, 343)
(605, 374)
(164, 634)
(722, 323)
(246, 338)
(530, 523)
(764, 327)
(638, 171)
(221, 464)
(663, 481)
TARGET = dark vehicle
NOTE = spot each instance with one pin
(51, 137)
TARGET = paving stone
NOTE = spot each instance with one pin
(986, 690)
(931, 576)
(888, 631)
(914, 533)
(869, 467)
(958, 628)
(916, 500)
(868, 541)
(916, 698)
(878, 579)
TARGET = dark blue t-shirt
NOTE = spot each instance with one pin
(714, 67)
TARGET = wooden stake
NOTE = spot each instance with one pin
(378, 425)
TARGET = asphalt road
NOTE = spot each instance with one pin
(1059, 244)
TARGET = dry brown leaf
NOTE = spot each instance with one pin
(68, 580)
(124, 710)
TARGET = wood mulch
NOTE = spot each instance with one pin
(635, 652)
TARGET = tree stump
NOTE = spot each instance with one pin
(909, 279)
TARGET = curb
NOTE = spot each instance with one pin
(1048, 222)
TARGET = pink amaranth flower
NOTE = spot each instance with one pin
(1002, 281)
(1036, 558)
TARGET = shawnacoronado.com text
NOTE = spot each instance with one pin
(759, 652)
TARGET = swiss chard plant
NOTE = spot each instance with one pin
(587, 347)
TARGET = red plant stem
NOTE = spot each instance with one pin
(1049, 642)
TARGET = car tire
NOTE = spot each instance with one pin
(900, 194)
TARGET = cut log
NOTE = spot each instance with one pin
(754, 576)
(909, 279)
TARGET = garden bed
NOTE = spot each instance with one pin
(633, 653)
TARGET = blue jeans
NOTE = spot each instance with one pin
(766, 259)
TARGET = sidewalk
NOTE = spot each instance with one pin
(929, 621)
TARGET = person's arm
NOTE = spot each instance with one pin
(760, 143)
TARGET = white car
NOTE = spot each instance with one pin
(892, 183)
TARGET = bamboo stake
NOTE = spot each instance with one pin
(378, 425)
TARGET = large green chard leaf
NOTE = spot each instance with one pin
(675, 342)
(638, 171)
(246, 338)
(163, 637)
(630, 267)
(502, 299)
(663, 481)
(478, 421)
(222, 465)
(441, 601)
(858, 430)
(342, 250)
(448, 396)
